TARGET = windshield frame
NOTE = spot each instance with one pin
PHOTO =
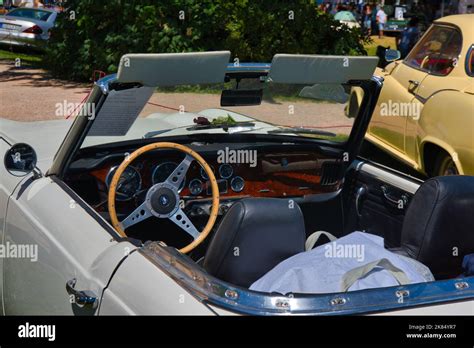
(74, 139)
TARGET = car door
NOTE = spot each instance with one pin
(400, 101)
(440, 64)
(376, 199)
(387, 123)
(65, 250)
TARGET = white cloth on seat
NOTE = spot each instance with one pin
(354, 262)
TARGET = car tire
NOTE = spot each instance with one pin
(445, 165)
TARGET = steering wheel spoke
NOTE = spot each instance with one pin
(182, 220)
(138, 215)
(176, 178)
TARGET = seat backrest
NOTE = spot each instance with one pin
(438, 229)
(254, 236)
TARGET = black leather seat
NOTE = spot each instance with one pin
(254, 236)
(438, 229)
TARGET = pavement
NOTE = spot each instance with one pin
(30, 94)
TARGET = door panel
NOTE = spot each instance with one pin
(388, 122)
(69, 244)
(376, 201)
(7, 185)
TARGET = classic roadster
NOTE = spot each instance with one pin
(122, 211)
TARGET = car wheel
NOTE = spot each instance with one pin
(445, 166)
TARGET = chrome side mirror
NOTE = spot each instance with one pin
(392, 55)
(20, 159)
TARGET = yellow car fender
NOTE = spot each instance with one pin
(447, 120)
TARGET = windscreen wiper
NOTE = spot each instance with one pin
(301, 130)
(236, 127)
(224, 126)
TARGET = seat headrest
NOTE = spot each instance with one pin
(254, 236)
(438, 229)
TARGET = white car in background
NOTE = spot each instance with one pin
(28, 27)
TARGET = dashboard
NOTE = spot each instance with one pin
(277, 171)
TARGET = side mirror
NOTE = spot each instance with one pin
(20, 159)
(392, 55)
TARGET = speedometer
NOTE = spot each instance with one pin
(162, 171)
(129, 183)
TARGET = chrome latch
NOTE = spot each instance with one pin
(81, 297)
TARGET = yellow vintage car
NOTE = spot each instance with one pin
(425, 112)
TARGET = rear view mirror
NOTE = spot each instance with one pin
(392, 55)
(241, 97)
(20, 159)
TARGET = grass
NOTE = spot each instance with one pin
(27, 58)
(386, 41)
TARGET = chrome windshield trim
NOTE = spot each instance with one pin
(209, 289)
(105, 82)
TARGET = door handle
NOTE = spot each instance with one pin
(412, 85)
(81, 297)
(403, 199)
(361, 192)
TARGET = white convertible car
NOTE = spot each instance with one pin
(180, 210)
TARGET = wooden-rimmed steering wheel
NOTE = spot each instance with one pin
(162, 199)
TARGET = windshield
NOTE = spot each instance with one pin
(296, 111)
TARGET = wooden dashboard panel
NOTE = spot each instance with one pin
(275, 175)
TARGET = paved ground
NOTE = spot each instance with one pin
(29, 94)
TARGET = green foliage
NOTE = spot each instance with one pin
(252, 30)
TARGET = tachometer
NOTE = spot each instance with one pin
(162, 171)
(129, 183)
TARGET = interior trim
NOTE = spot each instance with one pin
(389, 178)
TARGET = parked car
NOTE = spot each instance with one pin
(142, 215)
(29, 27)
(432, 128)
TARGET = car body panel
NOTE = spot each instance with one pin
(446, 109)
(67, 247)
(139, 287)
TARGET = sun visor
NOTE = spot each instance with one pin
(311, 69)
(171, 69)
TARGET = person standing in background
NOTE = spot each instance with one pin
(409, 37)
(367, 19)
(381, 20)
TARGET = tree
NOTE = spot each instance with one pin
(89, 36)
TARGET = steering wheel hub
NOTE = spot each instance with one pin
(162, 200)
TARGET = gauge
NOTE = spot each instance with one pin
(204, 174)
(162, 171)
(226, 171)
(195, 187)
(129, 183)
(237, 184)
